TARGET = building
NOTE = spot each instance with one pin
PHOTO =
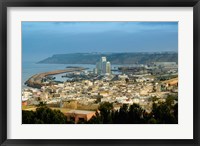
(108, 67)
(165, 64)
(79, 115)
(98, 68)
(171, 82)
(103, 59)
(95, 70)
(103, 66)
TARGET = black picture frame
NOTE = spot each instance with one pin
(4, 4)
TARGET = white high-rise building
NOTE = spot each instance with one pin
(103, 59)
(108, 67)
(98, 67)
(103, 66)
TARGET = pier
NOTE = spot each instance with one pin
(36, 80)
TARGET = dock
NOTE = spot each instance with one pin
(36, 80)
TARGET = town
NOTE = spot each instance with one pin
(83, 91)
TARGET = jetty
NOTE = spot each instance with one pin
(36, 80)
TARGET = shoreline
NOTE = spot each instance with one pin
(36, 80)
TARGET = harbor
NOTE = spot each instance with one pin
(36, 81)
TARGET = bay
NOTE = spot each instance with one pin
(31, 68)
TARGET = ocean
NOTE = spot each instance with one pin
(31, 68)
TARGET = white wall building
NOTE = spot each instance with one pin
(103, 66)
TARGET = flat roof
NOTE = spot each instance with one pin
(80, 111)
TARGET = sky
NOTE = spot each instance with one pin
(43, 39)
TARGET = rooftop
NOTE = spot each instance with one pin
(80, 111)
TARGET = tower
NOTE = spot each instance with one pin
(103, 66)
(108, 67)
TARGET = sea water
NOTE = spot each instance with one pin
(31, 68)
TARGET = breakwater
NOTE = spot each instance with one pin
(36, 80)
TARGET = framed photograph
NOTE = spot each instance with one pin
(97, 72)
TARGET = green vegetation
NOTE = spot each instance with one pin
(166, 77)
(162, 113)
(115, 58)
(43, 115)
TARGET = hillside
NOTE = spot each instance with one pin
(114, 58)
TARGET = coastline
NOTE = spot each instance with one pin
(36, 80)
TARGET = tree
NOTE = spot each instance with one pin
(105, 112)
(43, 115)
(28, 117)
(136, 114)
(170, 100)
(127, 80)
(152, 121)
(176, 112)
(163, 113)
(121, 117)
(41, 104)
